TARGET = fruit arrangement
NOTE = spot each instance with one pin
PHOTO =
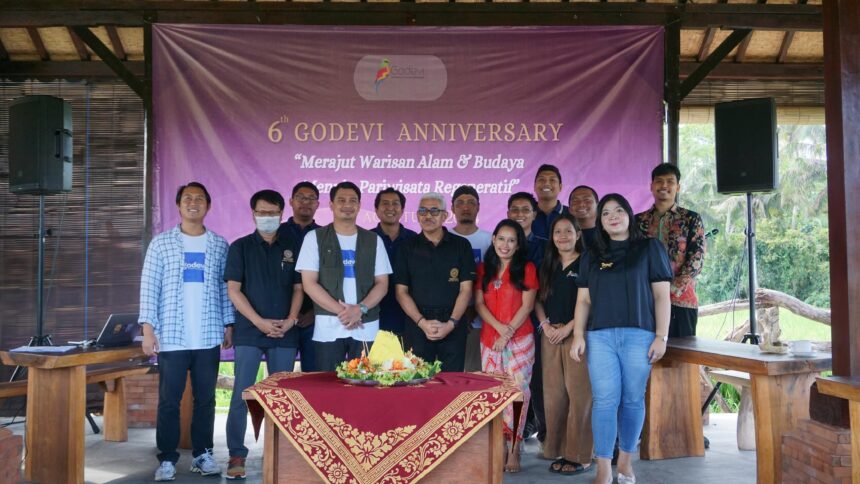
(387, 365)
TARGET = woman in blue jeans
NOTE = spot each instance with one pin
(623, 299)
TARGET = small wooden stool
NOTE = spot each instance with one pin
(746, 416)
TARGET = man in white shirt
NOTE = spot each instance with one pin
(466, 205)
(345, 272)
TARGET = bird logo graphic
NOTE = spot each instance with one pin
(382, 74)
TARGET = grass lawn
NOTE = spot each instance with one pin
(793, 326)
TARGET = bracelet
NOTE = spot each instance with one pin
(419, 320)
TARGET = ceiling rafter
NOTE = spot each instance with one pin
(692, 15)
(707, 41)
(116, 42)
(36, 38)
(787, 39)
(741, 53)
(83, 53)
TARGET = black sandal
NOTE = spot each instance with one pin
(577, 468)
(556, 465)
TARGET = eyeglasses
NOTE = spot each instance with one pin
(267, 213)
(304, 199)
(434, 212)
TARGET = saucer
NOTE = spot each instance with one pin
(804, 354)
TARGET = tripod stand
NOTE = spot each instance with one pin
(752, 337)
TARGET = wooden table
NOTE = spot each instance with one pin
(56, 405)
(780, 393)
(849, 389)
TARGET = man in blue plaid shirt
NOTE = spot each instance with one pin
(186, 316)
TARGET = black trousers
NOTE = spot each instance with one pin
(451, 350)
(173, 366)
(682, 321)
(332, 353)
(536, 411)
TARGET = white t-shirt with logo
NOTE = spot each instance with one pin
(481, 240)
(193, 265)
(329, 328)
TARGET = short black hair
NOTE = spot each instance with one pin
(379, 195)
(593, 192)
(193, 184)
(523, 196)
(305, 184)
(548, 167)
(465, 190)
(270, 196)
(344, 185)
(666, 169)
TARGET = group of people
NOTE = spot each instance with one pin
(574, 303)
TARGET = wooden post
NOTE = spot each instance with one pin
(115, 411)
(186, 409)
(842, 96)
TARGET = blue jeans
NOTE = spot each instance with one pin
(173, 366)
(618, 368)
(247, 363)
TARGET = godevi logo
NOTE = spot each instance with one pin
(400, 78)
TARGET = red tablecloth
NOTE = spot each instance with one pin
(373, 434)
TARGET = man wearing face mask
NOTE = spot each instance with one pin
(266, 290)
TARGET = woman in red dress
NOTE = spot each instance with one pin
(505, 297)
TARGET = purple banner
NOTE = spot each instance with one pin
(242, 108)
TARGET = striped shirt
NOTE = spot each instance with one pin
(161, 290)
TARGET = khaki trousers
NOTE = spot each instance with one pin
(567, 403)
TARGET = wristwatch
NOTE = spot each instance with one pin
(363, 309)
(454, 320)
(664, 337)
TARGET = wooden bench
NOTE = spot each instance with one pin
(746, 416)
(112, 380)
(849, 389)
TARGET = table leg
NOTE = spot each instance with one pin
(115, 412)
(673, 419)
(497, 449)
(56, 402)
(779, 401)
(854, 407)
(271, 441)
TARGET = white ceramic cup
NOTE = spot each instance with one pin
(801, 346)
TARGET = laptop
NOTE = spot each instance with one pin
(120, 330)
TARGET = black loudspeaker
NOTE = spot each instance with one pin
(747, 155)
(40, 145)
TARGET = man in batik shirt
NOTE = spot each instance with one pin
(683, 234)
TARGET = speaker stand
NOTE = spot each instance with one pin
(40, 338)
(752, 337)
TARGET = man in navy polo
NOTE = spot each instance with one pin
(304, 202)
(547, 188)
(389, 205)
(266, 290)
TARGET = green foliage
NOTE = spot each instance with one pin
(791, 223)
(731, 396)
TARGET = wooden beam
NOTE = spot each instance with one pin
(131, 12)
(716, 56)
(671, 93)
(83, 53)
(759, 71)
(116, 42)
(37, 42)
(842, 70)
(64, 69)
(110, 59)
(787, 39)
(741, 53)
(783, 49)
(705, 47)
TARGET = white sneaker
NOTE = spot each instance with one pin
(205, 464)
(166, 471)
(625, 479)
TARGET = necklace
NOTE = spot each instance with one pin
(497, 283)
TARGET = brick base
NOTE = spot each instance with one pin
(142, 395)
(816, 453)
(10, 456)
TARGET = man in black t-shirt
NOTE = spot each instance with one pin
(267, 293)
(434, 274)
(583, 206)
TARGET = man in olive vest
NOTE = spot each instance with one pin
(345, 272)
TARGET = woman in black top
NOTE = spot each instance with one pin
(623, 298)
(566, 388)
